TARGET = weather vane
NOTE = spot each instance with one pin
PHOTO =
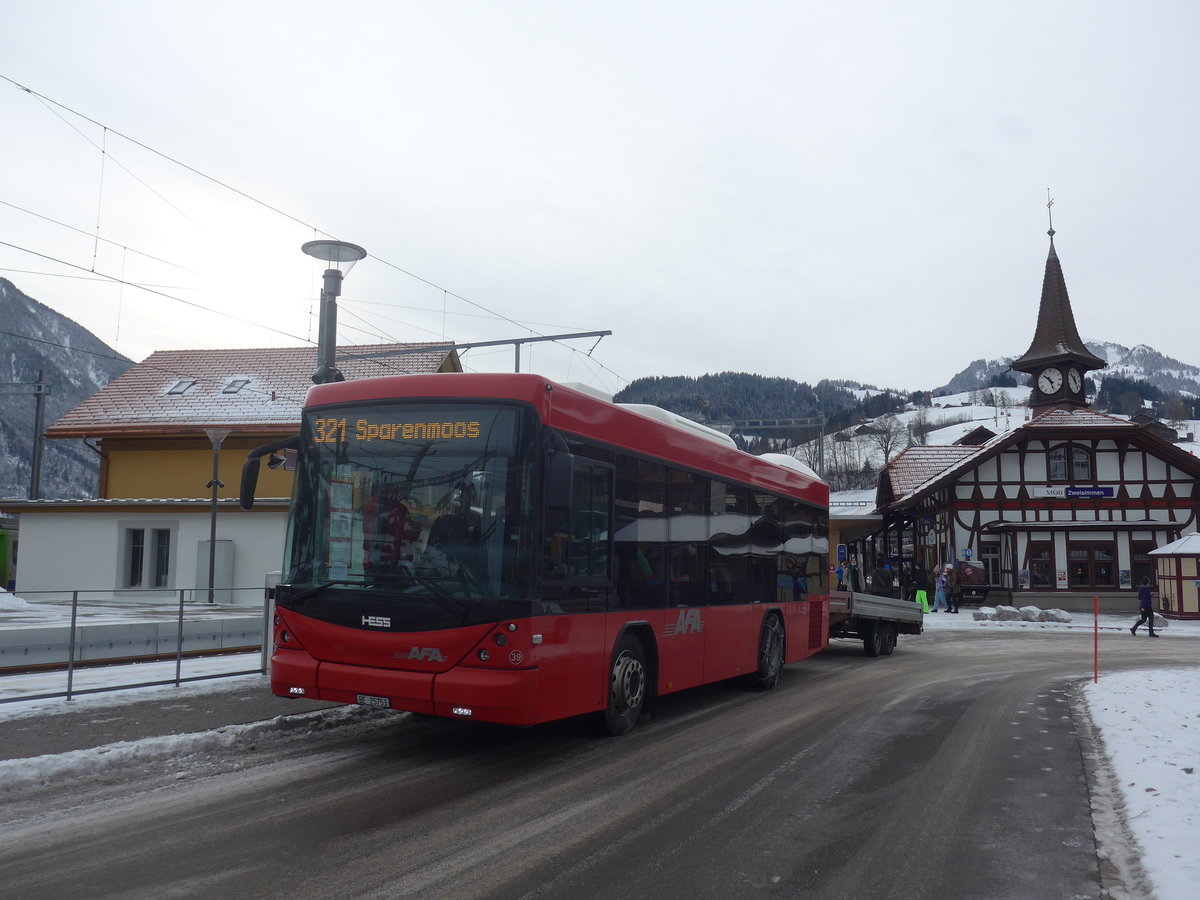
(1050, 213)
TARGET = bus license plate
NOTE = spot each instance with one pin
(377, 702)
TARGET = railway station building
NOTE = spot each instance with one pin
(1065, 508)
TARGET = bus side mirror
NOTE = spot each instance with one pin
(251, 466)
(559, 462)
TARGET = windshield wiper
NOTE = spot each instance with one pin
(301, 596)
(439, 594)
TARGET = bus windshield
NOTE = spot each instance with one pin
(413, 513)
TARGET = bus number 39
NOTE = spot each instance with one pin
(330, 431)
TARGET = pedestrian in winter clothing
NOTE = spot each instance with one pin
(853, 575)
(939, 589)
(921, 587)
(881, 580)
(953, 589)
(1145, 607)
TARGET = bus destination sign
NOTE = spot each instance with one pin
(344, 429)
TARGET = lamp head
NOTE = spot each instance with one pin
(217, 435)
(340, 255)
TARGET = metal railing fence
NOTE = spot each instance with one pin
(68, 631)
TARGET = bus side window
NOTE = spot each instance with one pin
(640, 535)
(688, 499)
(576, 568)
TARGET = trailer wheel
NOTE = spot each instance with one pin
(626, 687)
(872, 635)
(770, 654)
(889, 638)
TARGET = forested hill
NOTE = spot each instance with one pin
(728, 396)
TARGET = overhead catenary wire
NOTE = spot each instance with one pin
(99, 199)
(46, 101)
(29, 212)
(115, 280)
(263, 204)
(100, 278)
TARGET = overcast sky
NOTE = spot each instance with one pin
(809, 190)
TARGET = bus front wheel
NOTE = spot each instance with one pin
(626, 687)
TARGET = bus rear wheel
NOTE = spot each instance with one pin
(626, 687)
(770, 654)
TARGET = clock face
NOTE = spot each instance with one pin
(1075, 380)
(1050, 381)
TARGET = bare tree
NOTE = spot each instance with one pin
(1177, 411)
(844, 462)
(809, 453)
(920, 428)
(889, 435)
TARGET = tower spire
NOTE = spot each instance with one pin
(1050, 216)
(1057, 357)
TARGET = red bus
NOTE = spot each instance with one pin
(509, 549)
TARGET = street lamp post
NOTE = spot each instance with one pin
(341, 257)
(216, 436)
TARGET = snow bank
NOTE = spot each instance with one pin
(1147, 722)
(1024, 614)
(12, 602)
(179, 751)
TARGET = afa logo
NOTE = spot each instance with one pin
(689, 621)
(431, 654)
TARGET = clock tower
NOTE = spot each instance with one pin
(1057, 359)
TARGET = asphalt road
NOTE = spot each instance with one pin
(953, 768)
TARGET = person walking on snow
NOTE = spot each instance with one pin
(921, 587)
(1145, 607)
(953, 589)
(939, 589)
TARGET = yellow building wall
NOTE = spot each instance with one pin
(160, 472)
(1177, 588)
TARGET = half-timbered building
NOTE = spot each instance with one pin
(1062, 509)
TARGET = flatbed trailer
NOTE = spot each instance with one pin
(874, 620)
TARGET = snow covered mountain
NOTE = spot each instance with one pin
(75, 364)
(1140, 363)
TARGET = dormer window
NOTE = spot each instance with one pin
(1070, 463)
(233, 385)
(181, 387)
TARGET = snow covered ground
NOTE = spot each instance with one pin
(1147, 721)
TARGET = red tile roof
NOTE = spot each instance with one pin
(916, 465)
(1077, 418)
(274, 382)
